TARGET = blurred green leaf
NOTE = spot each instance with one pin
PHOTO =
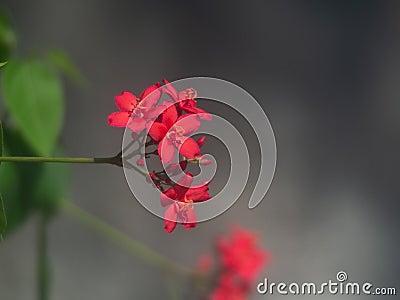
(34, 98)
(8, 38)
(2, 64)
(3, 220)
(29, 187)
(65, 64)
(1, 140)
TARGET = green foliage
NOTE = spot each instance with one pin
(8, 38)
(34, 98)
(3, 220)
(33, 102)
(64, 63)
(29, 187)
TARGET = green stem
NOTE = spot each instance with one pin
(69, 160)
(136, 248)
(43, 263)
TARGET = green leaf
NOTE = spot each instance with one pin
(3, 220)
(34, 98)
(2, 64)
(30, 187)
(8, 38)
(65, 64)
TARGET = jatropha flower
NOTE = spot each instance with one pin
(180, 199)
(172, 132)
(136, 112)
(240, 261)
(169, 125)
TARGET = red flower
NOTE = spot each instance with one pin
(240, 260)
(186, 100)
(180, 199)
(135, 112)
(173, 132)
(241, 254)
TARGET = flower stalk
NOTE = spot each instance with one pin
(134, 247)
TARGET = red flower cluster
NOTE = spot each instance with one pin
(240, 261)
(169, 124)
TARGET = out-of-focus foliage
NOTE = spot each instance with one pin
(3, 220)
(8, 38)
(63, 62)
(34, 98)
(33, 117)
(28, 187)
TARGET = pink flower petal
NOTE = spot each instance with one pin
(137, 124)
(166, 150)
(190, 123)
(154, 113)
(118, 119)
(171, 217)
(189, 218)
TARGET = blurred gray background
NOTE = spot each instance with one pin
(327, 73)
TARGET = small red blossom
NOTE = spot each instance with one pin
(172, 132)
(135, 112)
(179, 200)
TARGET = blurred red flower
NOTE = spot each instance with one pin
(240, 261)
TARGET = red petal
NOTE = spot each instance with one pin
(201, 140)
(126, 101)
(118, 119)
(169, 116)
(137, 124)
(190, 123)
(150, 96)
(153, 113)
(170, 90)
(158, 131)
(182, 186)
(166, 150)
(201, 113)
(190, 218)
(170, 217)
(168, 197)
(189, 148)
(198, 194)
